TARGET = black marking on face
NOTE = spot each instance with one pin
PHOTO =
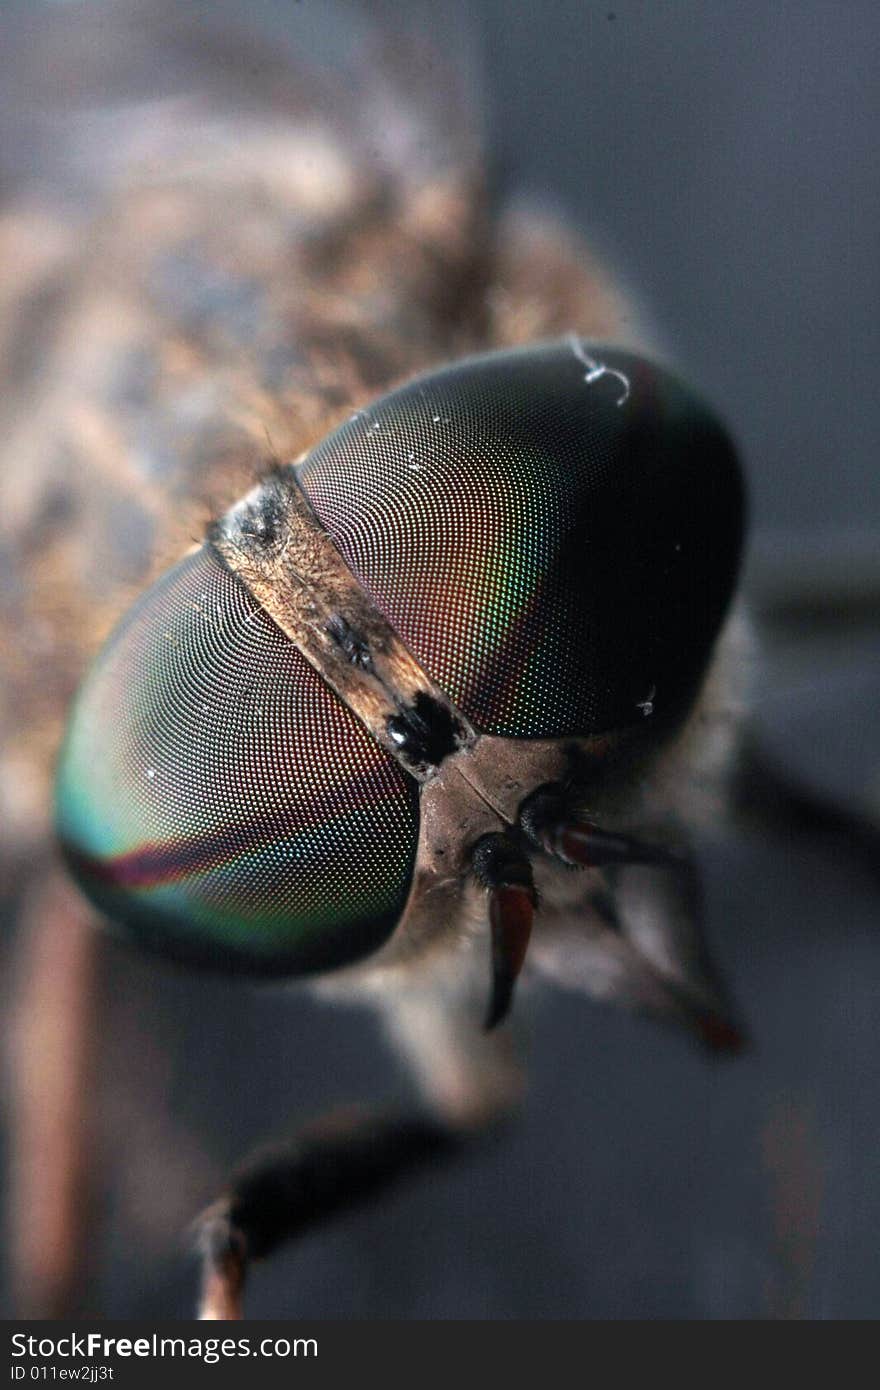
(426, 731)
(355, 647)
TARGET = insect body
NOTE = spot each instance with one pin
(398, 675)
(402, 662)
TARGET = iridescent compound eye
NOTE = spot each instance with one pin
(537, 544)
(218, 800)
(553, 535)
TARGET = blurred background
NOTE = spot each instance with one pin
(722, 161)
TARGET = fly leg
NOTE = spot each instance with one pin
(661, 916)
(343, 1160)
(633, 948)
(634, 934)
(468, 1082)
(50, 1060)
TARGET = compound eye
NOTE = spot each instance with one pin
(218, 801)
(553, 534)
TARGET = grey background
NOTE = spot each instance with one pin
(724, 158)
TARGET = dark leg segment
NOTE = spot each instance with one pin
(342, 1161)
(660, 912)
(469, 1084)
